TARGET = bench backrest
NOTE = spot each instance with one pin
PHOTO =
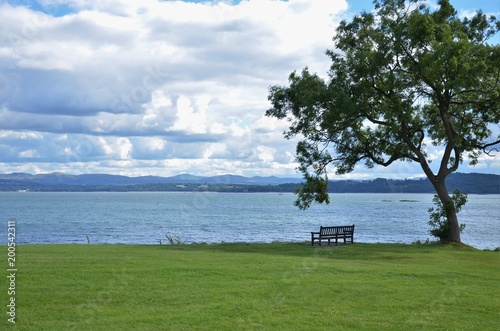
(333, 230)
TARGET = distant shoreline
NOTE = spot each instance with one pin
(472, 183)
(274, 243)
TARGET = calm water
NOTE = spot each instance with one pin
(144, 218)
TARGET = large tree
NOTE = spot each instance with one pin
(404, 80)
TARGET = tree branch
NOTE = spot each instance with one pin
(420, 157)
(485, 146)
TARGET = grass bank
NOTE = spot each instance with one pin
(255, 287)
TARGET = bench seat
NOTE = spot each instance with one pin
(327, 233)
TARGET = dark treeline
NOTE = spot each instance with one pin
(468, 183)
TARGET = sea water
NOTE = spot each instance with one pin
(148, 217)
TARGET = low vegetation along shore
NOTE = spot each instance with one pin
(279, 286)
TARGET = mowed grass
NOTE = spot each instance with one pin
(284, 286)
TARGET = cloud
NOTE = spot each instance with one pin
(153, 87)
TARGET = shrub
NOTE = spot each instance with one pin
(438, 215)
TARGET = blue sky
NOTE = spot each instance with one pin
(161, 88)
(59, 8)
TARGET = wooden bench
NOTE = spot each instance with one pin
(333, 232)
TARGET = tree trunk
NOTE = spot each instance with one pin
(449, 207)
(454, 231)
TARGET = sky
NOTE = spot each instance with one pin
(165, 87)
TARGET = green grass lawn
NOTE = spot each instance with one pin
(255, 287)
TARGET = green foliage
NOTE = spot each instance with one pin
(438, 215)
(315, 190)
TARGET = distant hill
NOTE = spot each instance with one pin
(472, 183)
(58, 178)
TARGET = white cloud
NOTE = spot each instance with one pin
(30, 153)
(116, 148)
(266, 154)
(154, 87)
(218, 128)
(191, 118)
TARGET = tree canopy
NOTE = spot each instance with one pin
(402, 80)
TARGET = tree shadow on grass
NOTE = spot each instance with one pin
(356, 251)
